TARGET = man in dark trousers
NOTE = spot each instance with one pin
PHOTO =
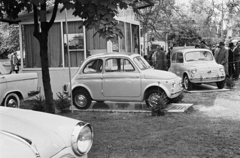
(236, 53)
(231, 70)
(221, 56)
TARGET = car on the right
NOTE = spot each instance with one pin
(197, 66)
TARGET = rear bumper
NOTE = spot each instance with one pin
(33, 93)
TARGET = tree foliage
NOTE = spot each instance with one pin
(9, 39)
(167, 17)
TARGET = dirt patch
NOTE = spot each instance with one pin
(226, 105)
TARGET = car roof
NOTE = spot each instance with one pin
(112, 54)
(184, 50)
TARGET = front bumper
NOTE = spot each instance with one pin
(207, 79)
(68, 153)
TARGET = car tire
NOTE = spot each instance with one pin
(12, 100)
(152, 96)
(186, 83)
(81, 99)
(220, 84)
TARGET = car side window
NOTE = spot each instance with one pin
(179, 58)
(118, 65)
(174, 58)
(94, 66)
(127, 66)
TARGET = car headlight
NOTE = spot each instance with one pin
(222, 69)
(193, 71)
(82, 138)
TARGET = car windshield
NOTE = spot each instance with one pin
(198, 56)
(141, 63)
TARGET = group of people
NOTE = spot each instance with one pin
(159, 60)
(229, 58)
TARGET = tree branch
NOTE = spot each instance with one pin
(36, 24)
(54, 13)
(10, 22)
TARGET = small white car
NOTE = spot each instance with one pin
(31, 134)
(197, 66)
(16, 87)
(121, 77)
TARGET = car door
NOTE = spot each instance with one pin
(179, 64)
(91, 77)
(121, 78)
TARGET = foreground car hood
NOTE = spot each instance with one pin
(158, 74)
(203, 65)
(50, 133)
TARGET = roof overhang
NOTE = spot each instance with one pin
(141, 4)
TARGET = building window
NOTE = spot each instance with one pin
(76, 43)
(31, 47)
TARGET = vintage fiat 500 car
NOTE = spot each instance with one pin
(121, 77)
(197, 66)
(31, 134)
(16, 87)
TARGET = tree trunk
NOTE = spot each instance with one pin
(43, 41)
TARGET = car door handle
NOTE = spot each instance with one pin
(2, 77)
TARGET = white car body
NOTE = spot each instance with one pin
(196, 66)
(31, 134)
(130, 84)
(16, 87)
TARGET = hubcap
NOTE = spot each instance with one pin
(12, 103)
(81, 100)
(153, 99)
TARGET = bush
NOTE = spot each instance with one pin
(229, 82)
(38, 104)
(62, 103)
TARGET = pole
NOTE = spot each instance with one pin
(222, 23)
(69, 61)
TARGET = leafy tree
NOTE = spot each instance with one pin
(98, 14)
(167, 17)
(9, 39)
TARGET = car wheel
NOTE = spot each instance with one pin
(12, 100)
(81, 99)
(186, 83)
(154, 97)
(221, 84)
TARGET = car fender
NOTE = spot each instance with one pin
(11, 90)
(82, 86)
(160, 85)
(186, 72)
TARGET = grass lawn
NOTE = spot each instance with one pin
(211, 129)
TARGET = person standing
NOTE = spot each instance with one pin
(203, 45)
(221, 56)
(161, 59)
(14, 63)
(236, 53)
(230, 60)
